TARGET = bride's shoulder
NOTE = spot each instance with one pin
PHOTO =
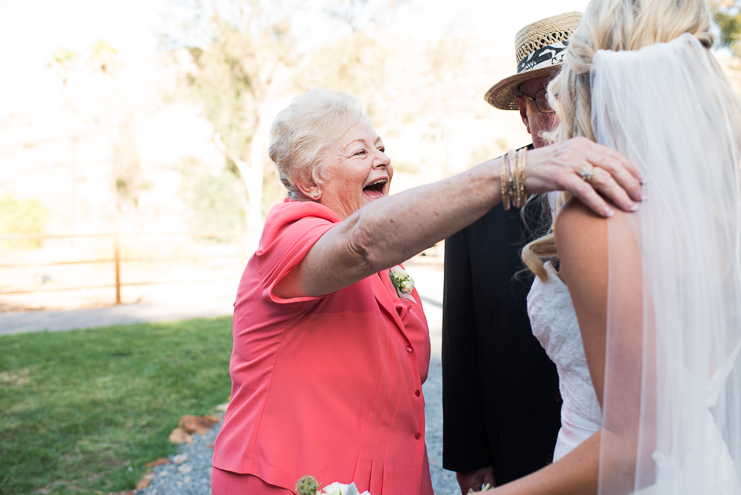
(578, 228)
(581, 237)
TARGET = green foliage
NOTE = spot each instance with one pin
(727, 15)
(103, 57)
(233, 75)
(22, 216)
(61, 63)
(84, 411)
(241, 56)
(101, 48)
(214, 200)
(64, 56)
(273, 191)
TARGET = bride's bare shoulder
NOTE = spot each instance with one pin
(579, 229)
(581, 240)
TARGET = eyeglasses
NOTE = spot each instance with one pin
(541, 101)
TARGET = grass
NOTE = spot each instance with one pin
(84, 411)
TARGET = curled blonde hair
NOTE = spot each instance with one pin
(304, 132)
(608, 25)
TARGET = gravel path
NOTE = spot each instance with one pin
(189, 473)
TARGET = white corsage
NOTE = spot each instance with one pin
(403, 282)
(308, 485)
(340, 489)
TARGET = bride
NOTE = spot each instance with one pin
(649, 375)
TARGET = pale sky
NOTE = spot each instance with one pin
(31, 31)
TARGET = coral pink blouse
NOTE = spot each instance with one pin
(329, 386)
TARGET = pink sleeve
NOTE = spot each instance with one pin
(291, 230)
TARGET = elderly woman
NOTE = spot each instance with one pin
(330, 351)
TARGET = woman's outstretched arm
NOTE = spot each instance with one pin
(393, 229)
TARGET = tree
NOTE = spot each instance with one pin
(243, 50)
(61, 64)
(101, 60)
(233, 77)
(22, 216)
(727, 14)
(127, 167)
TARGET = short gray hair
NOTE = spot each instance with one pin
(303, 133)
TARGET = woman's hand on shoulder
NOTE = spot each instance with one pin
(563, 166)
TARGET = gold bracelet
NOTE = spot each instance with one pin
(521, 195)
(511, 155)
(520, 182)
(515, 184)
(511, 182)
(504, 176)
(511, 186)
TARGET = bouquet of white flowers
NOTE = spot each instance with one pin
(308, 485)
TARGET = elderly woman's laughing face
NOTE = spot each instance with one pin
(357, 170)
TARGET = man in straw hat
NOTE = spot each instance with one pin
(501, 401)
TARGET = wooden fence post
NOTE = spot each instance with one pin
(117, 262)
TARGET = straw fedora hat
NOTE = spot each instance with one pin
(539, 49)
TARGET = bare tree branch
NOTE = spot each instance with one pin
(241, 165)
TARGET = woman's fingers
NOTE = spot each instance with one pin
(589, 171)
(608, 183)
(629, 166)
(586, 193)
(620, 169)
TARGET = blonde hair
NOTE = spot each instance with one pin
(608, 25)
(304, 132)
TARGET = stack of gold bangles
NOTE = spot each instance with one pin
(512, 179)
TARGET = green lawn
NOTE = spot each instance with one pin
(84, 411)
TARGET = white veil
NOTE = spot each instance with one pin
(672, 396)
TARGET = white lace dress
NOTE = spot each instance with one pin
(554, 324)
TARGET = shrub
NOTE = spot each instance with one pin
(22, 216)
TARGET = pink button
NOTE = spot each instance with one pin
(416, 392)
(409, 349)
(418, 436)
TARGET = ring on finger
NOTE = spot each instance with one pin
(587, 174)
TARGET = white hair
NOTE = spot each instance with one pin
(303, 133)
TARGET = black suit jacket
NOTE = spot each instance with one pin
(501, 405)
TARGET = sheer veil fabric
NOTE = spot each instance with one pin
(672, 396)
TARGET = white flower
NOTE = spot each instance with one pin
(399, 272)
(332, 489)
(403, 282)
(337, 488)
